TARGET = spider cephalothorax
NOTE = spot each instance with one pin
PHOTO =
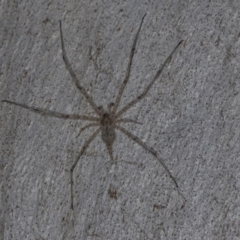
(106, 121)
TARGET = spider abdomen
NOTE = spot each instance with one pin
(108, 134)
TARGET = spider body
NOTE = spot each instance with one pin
(108, 131)
(108, 134)
(106, 121)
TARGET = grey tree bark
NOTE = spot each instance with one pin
(191, 117)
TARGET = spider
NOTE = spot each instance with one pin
(107, 120)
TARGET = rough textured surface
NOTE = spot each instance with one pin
(191, 117)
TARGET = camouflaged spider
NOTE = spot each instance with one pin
(106, 120)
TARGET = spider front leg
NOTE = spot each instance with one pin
(143, 94)
(128, 70)
(45, 112)
(73, 75)
(86, 144)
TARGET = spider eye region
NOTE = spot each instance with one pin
(106, 120)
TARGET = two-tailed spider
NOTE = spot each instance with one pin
(106, 120)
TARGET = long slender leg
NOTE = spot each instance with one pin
(153, 152)
(126, 120)
(128, 69)
(77, 159)
(45, 112)
(88, 126)
(74, 78)
(133, 102)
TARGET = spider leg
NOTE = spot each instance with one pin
(143, 145)
(126, 120)
(128, 69)
(86, 144)
(74, 78)
(133, 102)
(45, 112)
(87, 126)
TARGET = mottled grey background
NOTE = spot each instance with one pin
(191, 117)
